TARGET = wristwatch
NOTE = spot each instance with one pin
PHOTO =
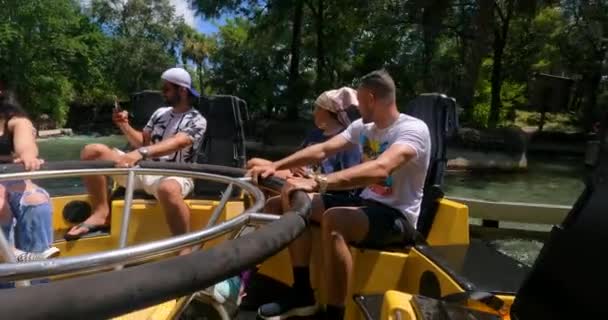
(145, 152)
(322, 181)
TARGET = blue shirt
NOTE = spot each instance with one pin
(339, 161)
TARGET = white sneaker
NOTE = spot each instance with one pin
(23, 256)
(225, 295)
(225, 291)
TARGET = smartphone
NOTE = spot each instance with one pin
(117, 107)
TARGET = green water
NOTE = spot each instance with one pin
(68, 148)
(548, 180)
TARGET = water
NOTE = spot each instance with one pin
(548, 180)
(68, 148)
(522, 250)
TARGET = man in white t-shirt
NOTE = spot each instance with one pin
(173, 134)
(396, 152)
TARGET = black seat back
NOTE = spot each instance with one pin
(439, 112)
(143, 105)
(224, 141)
(569, 279)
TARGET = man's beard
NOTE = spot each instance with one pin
(173, 100)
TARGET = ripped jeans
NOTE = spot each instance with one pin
(31, 225)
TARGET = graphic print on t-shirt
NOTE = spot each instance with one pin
(371, 150)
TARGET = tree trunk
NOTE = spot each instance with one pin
(500, 41)
(200, 77)
(591, 90)
(320, 49)
(478, 50)
(431, 27)
(496, 104)
(293, 96)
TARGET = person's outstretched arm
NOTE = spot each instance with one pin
(24, 140)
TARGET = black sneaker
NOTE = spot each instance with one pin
(296, 303)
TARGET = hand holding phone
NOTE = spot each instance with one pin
(117, 107)
(118, 114)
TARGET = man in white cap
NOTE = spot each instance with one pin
(172, 134)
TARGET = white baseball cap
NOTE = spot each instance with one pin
(180, 77)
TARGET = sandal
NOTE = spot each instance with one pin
(90, 227)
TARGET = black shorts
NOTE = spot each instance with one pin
(387, 225)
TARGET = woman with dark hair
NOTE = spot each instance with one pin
(25, 209)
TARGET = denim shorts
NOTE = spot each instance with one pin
(31, 228)
(387, 225)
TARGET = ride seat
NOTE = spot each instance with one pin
(224, 140)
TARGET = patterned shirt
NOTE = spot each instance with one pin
(166, 123)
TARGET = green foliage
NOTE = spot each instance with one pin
(47, 54)
(54, 53)
(250, 67)
(144, 37)
(513, 96)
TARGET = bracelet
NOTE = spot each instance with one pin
(322, 181)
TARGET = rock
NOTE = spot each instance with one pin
(469, 160)
(558, 142)
(502, 149)
(511, 140)
(44, 122)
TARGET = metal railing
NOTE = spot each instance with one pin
(12, 271)
(116, 292)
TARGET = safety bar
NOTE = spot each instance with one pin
(93, 262)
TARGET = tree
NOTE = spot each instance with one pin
(294, 62)
(584, 47)
(197, 48)
(503, 10)
(144, 40)
(269, 17)
(251, 68)
(49, 54)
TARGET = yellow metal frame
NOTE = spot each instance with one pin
(147, 223)
(161, 311)
(375, 272)
(400, 302)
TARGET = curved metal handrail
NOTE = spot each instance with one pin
(107, 294)
(93, 262)
(104, 260)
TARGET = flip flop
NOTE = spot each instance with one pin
(90, 227)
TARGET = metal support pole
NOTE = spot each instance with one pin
(183, 302)
(126, 211)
